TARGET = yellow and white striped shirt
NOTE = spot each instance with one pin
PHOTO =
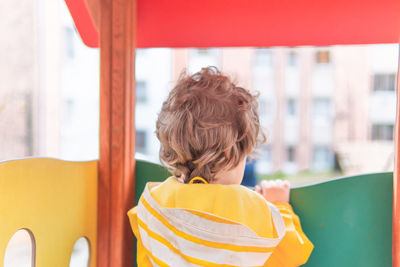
(213, 225)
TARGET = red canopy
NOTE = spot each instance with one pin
(222, 23)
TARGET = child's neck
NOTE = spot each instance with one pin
(232, 176)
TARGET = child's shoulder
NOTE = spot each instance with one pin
(189, 193)
(231, 202)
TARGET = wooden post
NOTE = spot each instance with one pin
(117, 132)
(396, 181)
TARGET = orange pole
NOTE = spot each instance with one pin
(396, 181)
(117, 132)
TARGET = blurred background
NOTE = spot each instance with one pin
(327, 111)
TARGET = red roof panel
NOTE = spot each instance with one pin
(224, 23)
(83, 22)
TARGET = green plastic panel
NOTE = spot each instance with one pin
(349, 219)
(148, 172)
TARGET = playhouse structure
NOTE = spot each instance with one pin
(58, 201)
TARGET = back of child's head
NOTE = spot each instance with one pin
(207, 125)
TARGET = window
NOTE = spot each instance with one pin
(265, 153)
(291, 154)
(321, 107)
(323, 57)
(263, 57)
(203, 52)
(202, 57)
(265, 107)
(141, 91)
(322, 158)
(382, 132)
(384, 82)
(292, 60)
(141, 141)
(69, 109)
(321, 154)
(69, 42)
(291, 107)
(262, 106)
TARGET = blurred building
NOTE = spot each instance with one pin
(319, 106)
(49, 84)
(153, 82)
(79, 89)
(18, 78)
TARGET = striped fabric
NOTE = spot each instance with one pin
(178, 237)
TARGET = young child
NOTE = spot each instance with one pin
(202, 216)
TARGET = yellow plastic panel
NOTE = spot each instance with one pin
(56, 200)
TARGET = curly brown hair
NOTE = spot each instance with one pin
(206, 125)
